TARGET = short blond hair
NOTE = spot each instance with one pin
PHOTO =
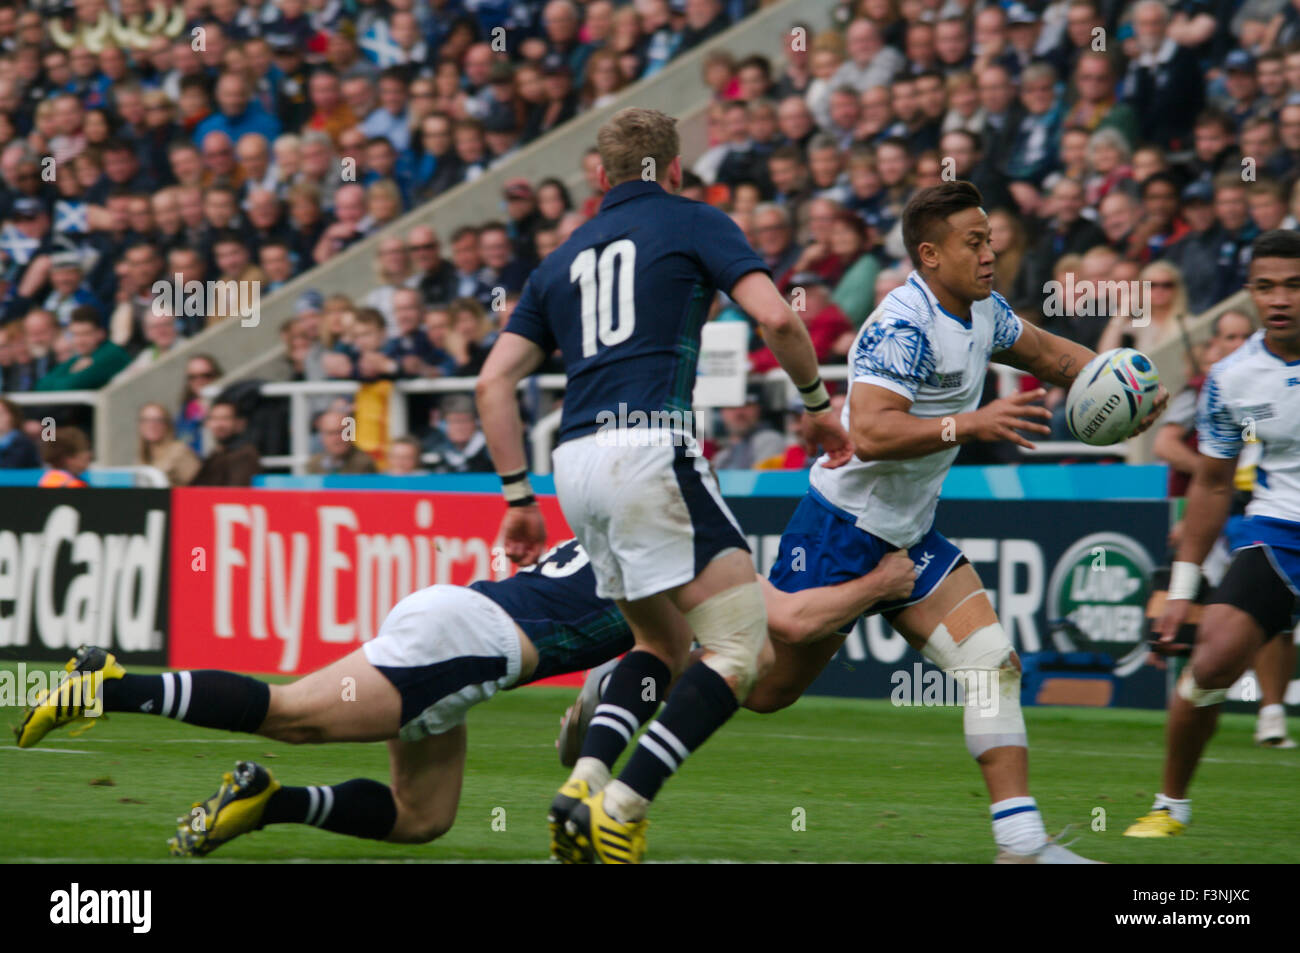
(630, 137)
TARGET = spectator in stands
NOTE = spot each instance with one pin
(748, 439)
(17, 451)
(850, 241)
(200, 371)
(393, 268)
(68, 289)
(1233, 234)
(1036, 141)
(40, 330)
(871, 62)
(775, 235)
(159, 447)
(340, 453)
(435, 276)
(403, 458)
(810, 295)
(234, 460)
(162, 333)
(238, 112)
(1160, 317)
(1163, 83)
(348, 226)
(472, 336)
(1096, 106)
(468, 262)
(503, 268)
(95, 359)
(66, 458)
(458, 444)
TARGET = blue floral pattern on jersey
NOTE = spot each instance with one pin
(895, 349)
(1006, 325)
(1220, 436)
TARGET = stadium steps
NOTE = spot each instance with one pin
(257, 351)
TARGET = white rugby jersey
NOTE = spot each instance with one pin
(1252, 389)
(913, 347)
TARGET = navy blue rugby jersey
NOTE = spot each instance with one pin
(624, 300)
(554, 601)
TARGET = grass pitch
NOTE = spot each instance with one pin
(867, 782)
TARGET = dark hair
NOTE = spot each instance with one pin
(230, 402)
(929, 209)
(565, 198)
(85, 314)
(67, 442)
(1213, 116)
(1279, 243)
(1168, 178)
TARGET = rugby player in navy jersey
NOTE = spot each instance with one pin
(440, 651)
(623, 300)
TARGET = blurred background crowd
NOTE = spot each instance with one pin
(225, 140)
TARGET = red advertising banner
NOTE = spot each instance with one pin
(286, 581)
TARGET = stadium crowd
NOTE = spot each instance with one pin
(1112, 141)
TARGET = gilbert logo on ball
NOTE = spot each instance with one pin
(1111, 396)
(1101, 584)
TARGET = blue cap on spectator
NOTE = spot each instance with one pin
(1239, 61)
(677, 6)
(1018, 13)
(27, 207)
(1199, 191)
(310, 300)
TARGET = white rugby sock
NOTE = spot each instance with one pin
(592, 770)
(623, 804)
(1017, 825)
(1179, 810)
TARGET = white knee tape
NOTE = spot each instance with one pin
(1188, 690)
(732, 626)
(982, 664)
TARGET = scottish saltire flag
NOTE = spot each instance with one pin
(18, 247)
(71, 217)
(380, 47)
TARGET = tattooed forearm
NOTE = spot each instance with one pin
(1067, 368)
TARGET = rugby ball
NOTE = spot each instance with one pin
(1111, 397)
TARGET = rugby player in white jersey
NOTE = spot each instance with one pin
(1254, 391)
(917, 372)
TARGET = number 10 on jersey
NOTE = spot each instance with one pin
(596, 280)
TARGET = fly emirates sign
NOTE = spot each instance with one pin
(281, 581)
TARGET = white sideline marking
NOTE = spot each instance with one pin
(47, 750)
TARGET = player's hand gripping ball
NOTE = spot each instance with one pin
(1112, 396)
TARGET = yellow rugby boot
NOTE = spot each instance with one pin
(235, 809)
(1159, 823)
(570, 795)
(75, 698)
(602, 839)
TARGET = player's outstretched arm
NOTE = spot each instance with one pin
(1049, 357)
(813, 614)
(511, 359)
(1057, 360)
(786, 335)
(883, 427)
(1209, 500)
